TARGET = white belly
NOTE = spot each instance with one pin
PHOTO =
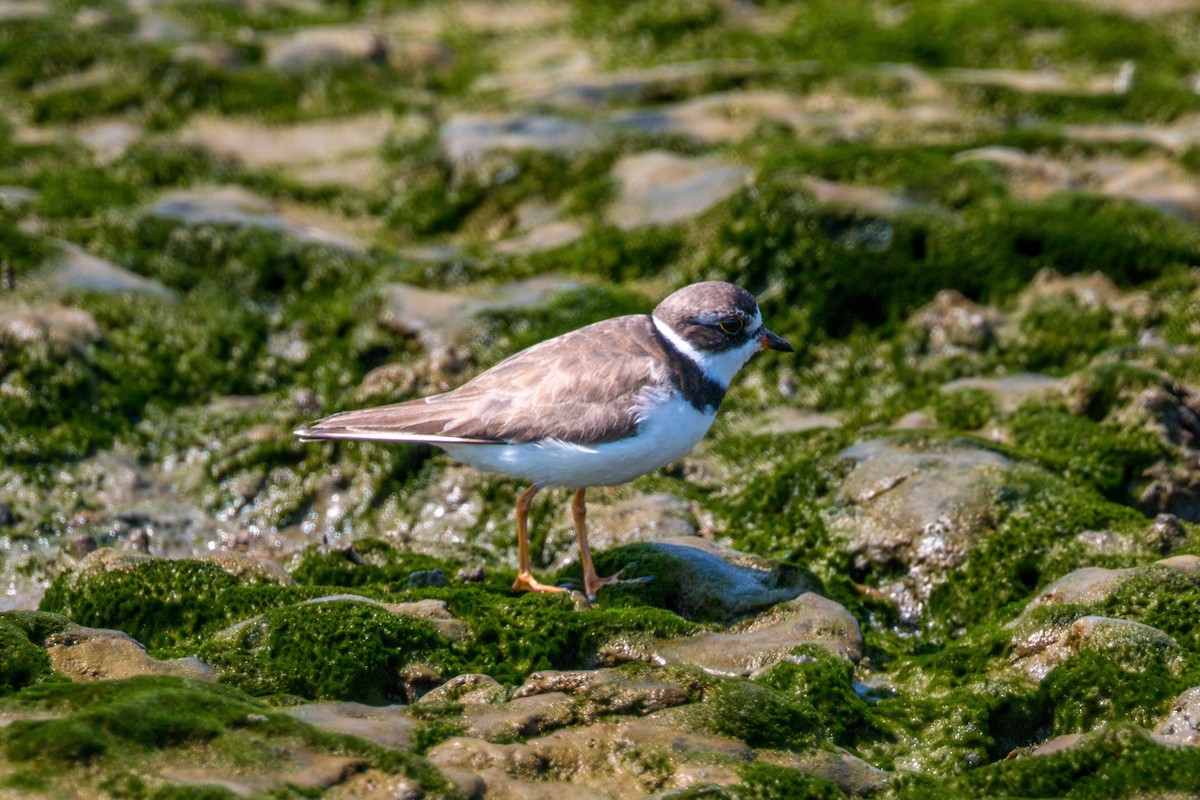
(667, 432)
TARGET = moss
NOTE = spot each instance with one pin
(344, 650)
(964, 410)
(200, 792)
(22, 661)
(163, 602)
(367, 561)
(827, 683)
(1118, 763)
(150, 713)
(1106, 457)
(1033, 544)
(1117, 685)
(432, 733)
(762, 781)
(1162, 598)
(761, 716)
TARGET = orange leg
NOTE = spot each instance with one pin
(525, 581)
(591, 581)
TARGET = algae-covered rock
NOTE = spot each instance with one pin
(753, 647)
(916, 513)
(90, 654)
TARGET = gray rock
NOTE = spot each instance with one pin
(1095, 584)
(16, 197)
(465, 138)
(1182, 725)
(1038, 650)
(594, 91)
(919, 508)
(1011, 391)
(58, 325)
(873, 200)
(753, 647)
(153, 29)
(468, 688)
(549, 236)
(1030, 176)
(318, 142)
(108, 140)
(210, 54)
(441, 318)
(660, 188)
(520, 717)
(387, 726)
(315, 48)
(375, 784)
(23, 10)
(1096, 291)
(717, 582)
(95, 654)
(952, 324)
(248, 568)
(607, 691)
(78, 269)
(234, 206)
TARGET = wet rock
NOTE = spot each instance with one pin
(473, 574)
(315, 48)
(217, 55)
(58, 325)
(1043, 81)
(292, 768)
(93, 654)
(606, 759)
(717, 582)
(466, 138)
(440, 318)
(549, 236)
(236, 207)
(374, 784)
(77, 269)
(1156, 183)
(257, 145)
(753, 647)
(1094, 291)
(587, 90)
(607, 691)
(1011, 391)
(1107, 542)
(13, 198)
(785, 420)
(915, 510)
(1095, 584)
(951, 324)
(468, 688)
(423, 578)
(387, 726)
(23, 10)
(521, 717)
(108, 140)
(1182, 725)
(844, 770)
(873, 200)
(1039, 650)
(1030, 176)
(153, 29)
(660, 188)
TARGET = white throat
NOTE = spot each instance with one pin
(719, 367)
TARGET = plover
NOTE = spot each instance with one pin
(598, 406)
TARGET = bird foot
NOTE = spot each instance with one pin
(525, 582)
(591, 587)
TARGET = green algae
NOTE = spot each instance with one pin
(964, 410)
(1127, 684)
(162, 602)
(1117, 763)
(826, 682)
(343, 650)
(22, 659)
(1106, 457)
(761, 716)
(762, 781)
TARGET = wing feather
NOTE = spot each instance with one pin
(583, 387)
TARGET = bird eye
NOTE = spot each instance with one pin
(731, 325)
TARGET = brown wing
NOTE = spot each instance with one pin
(581, 387)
